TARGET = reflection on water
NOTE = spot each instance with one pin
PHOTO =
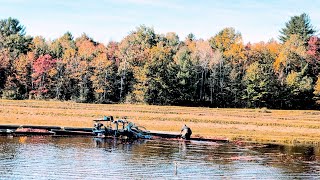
(86, 158)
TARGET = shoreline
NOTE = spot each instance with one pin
(254, 125)
(29, 130)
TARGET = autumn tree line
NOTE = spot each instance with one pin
(151, 68)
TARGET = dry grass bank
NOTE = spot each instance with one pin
(260, 125)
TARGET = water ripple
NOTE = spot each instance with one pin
(87, 158)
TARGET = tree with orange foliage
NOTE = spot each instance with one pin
(13, 42)
(229, 43)
(260, 82)
(292, 57)
(134, 55)
(103, 76)
(64, 49)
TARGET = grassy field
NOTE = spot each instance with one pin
(258, 125)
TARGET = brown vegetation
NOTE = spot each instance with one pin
(259, 125)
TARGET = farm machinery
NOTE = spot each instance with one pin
(121, 128)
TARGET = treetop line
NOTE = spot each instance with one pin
(146, 67)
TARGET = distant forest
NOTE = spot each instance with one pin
(151, 68)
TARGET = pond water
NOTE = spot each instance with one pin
(41, 157)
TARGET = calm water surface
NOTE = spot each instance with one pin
(88, 158)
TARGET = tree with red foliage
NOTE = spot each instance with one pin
(43, 71)
(314, 54)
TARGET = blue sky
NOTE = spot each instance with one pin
(105, 20)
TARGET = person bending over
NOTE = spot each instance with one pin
(186, 132)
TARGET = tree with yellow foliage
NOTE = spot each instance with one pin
(316, 91)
